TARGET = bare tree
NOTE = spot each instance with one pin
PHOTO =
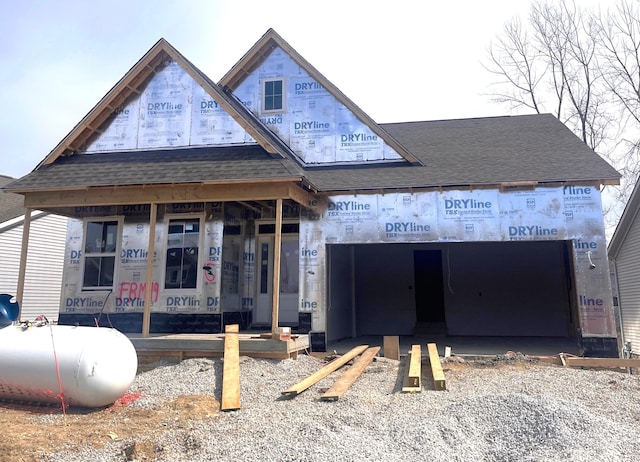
(619, 38)
(582, 66)
(519, 67)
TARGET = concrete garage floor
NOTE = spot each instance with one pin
(481, 346)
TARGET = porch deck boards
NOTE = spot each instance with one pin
(181, 346)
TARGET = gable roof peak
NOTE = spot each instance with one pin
(134, 81)
(261, 50)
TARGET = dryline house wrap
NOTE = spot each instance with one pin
(270, 199)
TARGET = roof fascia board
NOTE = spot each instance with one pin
(292, 179)
(502, 187)
(270, 40)
(129, 83)
(179, 193)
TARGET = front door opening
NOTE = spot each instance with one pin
(427, 267)
(289, 275)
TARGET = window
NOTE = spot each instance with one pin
(101, 238)
(273, 96)
(182, 254)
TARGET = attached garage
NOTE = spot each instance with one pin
(479, 289)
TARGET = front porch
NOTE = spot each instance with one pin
(176, 347)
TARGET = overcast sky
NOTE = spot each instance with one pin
(398, 60)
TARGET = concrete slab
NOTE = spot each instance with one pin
(481, 346)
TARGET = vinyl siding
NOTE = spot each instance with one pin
(628, 274)
(45, 261)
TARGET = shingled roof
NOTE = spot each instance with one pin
(176, 166)
(11, 205)
(476, 152)
(454, 153)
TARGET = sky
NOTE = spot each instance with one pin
(397, 60)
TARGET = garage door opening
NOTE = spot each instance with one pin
(469, 289)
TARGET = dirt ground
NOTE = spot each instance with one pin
(30, 431)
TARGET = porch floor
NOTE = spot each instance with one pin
(180, 346)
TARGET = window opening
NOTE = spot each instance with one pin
(101, 238)
(287, 228)
(182, 254)
(273, 95)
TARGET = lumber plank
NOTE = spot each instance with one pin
(406, 383)
(391, 347)
(349, 377)
(415, 366)
(601, 362)
(324, 371)
(436, 368)
(231, 370)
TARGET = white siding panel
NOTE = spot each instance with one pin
(45, 260)
(628, 273)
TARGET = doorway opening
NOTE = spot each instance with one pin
(429, 290)
(289, 274)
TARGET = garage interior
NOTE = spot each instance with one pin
(490, 289)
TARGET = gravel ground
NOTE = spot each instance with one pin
(506, 409)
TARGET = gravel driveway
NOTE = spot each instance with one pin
(505, 409)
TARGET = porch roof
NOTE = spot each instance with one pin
(160, 167)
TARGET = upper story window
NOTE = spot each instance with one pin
(100, 250)
(273, 95)
(181, 271)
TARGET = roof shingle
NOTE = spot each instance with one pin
(464, 152)
(11, 205)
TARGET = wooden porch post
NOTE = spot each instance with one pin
(22, 270)
(146, 316)
(277, 248)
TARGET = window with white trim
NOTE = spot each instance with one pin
(181, 267)
(100, 251)
(273, 95)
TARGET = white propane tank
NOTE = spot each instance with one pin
(94, 366)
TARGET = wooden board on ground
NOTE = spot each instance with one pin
(406, 383)
(324, 371)
(349, 377)
(415, 366)
(231, 370)
(436, 368)
(391, 347)
(575, 361)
